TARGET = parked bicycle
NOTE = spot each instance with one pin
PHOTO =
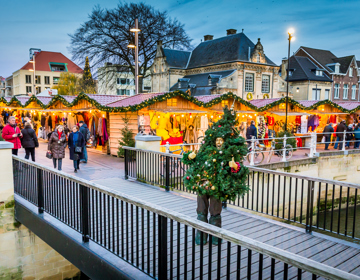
(288, 151)
(258, 153)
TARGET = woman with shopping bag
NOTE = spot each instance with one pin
(76, 146)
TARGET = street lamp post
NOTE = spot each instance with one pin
(136, 30)
(33, 63)
(291, 37)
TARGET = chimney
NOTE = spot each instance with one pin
(284, 64)
(208, 37)
(231, 31)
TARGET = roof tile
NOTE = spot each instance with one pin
(134, 100)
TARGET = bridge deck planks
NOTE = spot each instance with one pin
(286, 238)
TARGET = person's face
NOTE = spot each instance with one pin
(219, 142)
(80, 124)
(12, 121)
(60, 129)
(74, 129)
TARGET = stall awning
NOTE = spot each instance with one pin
(184, 111)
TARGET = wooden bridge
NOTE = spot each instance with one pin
(153, 229)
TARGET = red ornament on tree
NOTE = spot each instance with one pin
(187, 177)
(237, 170)
(219, 125)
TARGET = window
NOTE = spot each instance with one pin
(353, 92)
(37, 80)
(123, 91)
(28, 79)
(47, 80)
(59, 67)
(225, 103)
(123, 81)
(327, 93)
(56, 80)
(47, 87)
(350, 72)
(258, 58)
(336, 91)
(38, 90)
(28, 89)
(346, 92)
(249, 82)
(171, 102)
(316, 94)
(319, 73)
(265, 84)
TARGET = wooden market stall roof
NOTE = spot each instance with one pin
(115, 103)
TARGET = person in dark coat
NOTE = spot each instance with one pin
(329, 129)
(57, 145)
(76, 139)
(84, 131)
(357, 136)
(340, 133)
(29, 141)
(251, 131)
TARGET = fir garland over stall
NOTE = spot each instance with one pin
(218, 170)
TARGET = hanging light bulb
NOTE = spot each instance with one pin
(243, 116)
(212, 116)
(182, 116)
(205, 115)
(90, 111)
(190, 117)
(159, 117)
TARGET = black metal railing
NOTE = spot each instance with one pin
(313, 202)
(159, 242)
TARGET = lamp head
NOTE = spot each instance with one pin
(134, 29)
(291, 31)
(132, 45)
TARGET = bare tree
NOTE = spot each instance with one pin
(106, 35)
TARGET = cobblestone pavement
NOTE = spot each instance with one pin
(99, 166)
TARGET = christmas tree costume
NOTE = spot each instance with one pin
(216, 172)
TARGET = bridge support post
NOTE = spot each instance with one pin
(40, 191)
(309, 207)
(162, 250)
(126, 157)
(84, 201)
(167, 173)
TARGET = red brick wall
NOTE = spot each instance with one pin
(350, 81)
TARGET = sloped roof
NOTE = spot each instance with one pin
(207, 98)
(44, 99)
(176, 58)
(344, 62)
(348, 105)
(303, 69)
(225, 49)
(322, 56)
(134, 100)
(263, 102)
(201, 80)
(308, 103)
(103, 99)
(43, 58)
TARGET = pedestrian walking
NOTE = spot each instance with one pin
(340, 133)
(328, 130)
(57, 144)
(251, 131)
(357, 136)
(349, 135)
(11, 133)
(76, 146)
(86, 133)
(29, 141)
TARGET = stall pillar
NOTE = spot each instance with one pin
(148, 142)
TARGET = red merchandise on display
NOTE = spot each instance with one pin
(172, 141)
(298, 142)
(270, 120)
(332, 119)
(298, 120)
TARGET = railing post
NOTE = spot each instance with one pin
(284, 148)
(84, 200)
(344, 141)
(40, 191)
(224, 204)
(167, 173)
(252, 153)
(314, 142)
(167, 147)
(309, 207)
(126, 156)
(311, 152)
(162, 249)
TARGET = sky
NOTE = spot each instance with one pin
(323, 24)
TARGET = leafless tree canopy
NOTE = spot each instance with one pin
(105, 36)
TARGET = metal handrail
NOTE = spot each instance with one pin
(251, 168)
(262, 248)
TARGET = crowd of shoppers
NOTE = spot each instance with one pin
(351, 133)
(58, 140)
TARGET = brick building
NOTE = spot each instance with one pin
(343, 71)
(232, 63)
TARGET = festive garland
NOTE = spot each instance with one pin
(160, 98)
(266, 96)
(249, 96)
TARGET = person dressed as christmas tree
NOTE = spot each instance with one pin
(216, 173)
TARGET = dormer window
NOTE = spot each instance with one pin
(179, 84)
(290, 73)
(258, 58)
(58, 67)
(319, 73)
(209, 81)
(337, 68)
(350, 72)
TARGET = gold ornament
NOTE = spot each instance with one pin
(192, 155)
(214, 160)
(213, 188)
(233, 164)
